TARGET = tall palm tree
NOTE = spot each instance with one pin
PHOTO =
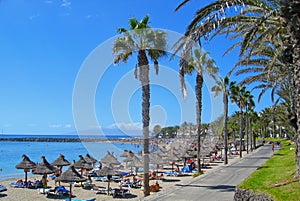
(223, 86)
(147, 43)
(201, 64)
(237, 95)
(290, 12)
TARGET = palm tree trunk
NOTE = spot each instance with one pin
(254, 140)
(273, 120)
(199, 83)
(241, 132)
(251, 135)
(144, 78)
(247, 134)
(297, 83)
(225, 100)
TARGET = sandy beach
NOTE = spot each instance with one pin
(25, 194)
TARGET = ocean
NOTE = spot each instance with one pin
(11, 152)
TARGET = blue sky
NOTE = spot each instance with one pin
(44, 44)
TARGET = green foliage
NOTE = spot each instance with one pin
(169, 132)
(197, 174)
(280, 168)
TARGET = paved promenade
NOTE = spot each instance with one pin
(219, 183)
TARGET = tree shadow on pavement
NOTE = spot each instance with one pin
(222, 188)
(170, 180)
(243, 166)
(257, 157)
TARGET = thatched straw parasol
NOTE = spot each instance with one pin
(126, 153)
(110, 159)
(133, 161)
(90, 159)
(60, 162)
(156, 158)
(26, 164)
(82, 164)
(43, 169)
(172, 158)
(108, 171)
(69, 176)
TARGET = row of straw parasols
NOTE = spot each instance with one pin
(170, 154)
(45, 168)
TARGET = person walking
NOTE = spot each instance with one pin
(273, 146)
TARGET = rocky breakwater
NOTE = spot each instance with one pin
(32, 139)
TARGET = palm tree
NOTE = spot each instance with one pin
(201, 63)
(252, 117)
(255, 23)
(290, 12)
(223, 86)
(146, 42)
(237, 95)
(249, 104)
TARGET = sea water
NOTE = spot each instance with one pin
(11, 153)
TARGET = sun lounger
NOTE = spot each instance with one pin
(100, 179)
(92, 199)
(18, 185)
(35, 184)
(175, 174)
(2, 188)
(61, 190)
(118, 191)
(134, 184)
(116, 178)
(44, 190)
(103, 190)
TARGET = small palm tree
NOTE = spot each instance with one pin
(223, 86)
(146, 42)
(201, 64)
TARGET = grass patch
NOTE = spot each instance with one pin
(279, 169)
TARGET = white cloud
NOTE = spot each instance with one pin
(7, 125)
(88, 16)
(68, 126)
(34, 16)
(48, 1)
(66, 3)
(55, 125)
(126, 126)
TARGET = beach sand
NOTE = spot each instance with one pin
(24, 194)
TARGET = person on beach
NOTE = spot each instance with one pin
(44, 179)
(100, 165)
(134, 178)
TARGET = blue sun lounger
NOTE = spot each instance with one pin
(18, 185)
(174, 174)
(92, 199)
(2, 188)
